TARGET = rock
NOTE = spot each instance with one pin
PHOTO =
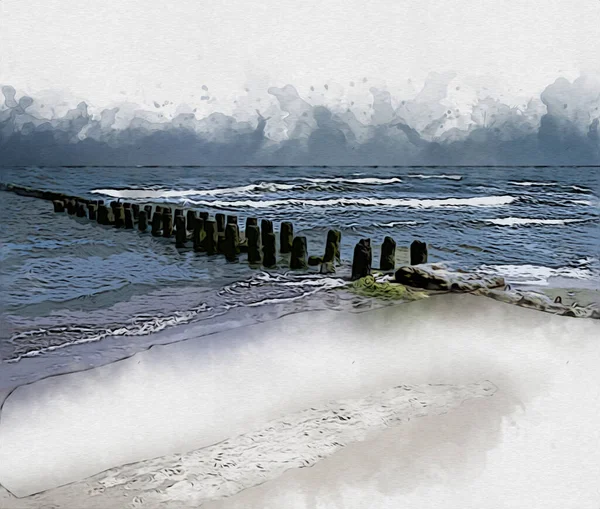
(313, 260)
(431, 278)
(388, 254)
(269, 250)
(418, 252)
(298, 257)
(212, 237)
(361, 262)
(368, 286)
(199, 235)
(232, 241)
(253, 238)
(286, 237)
(180, 231)
(167, 223)
(129, 219)
(59, 206)
(143, 220)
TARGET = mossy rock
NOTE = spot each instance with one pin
(368, 286)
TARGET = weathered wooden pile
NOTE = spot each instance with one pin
(220, 234)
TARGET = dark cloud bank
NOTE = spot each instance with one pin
(559, 127)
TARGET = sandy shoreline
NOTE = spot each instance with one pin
(542, 365)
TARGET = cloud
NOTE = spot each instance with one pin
(559, 127)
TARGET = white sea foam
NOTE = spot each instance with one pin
(536, 274)
(530, 184)
(365, 180)
(479, 201)
(173, 193)
(523, 221)
(425, 177)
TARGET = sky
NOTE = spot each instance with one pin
(143, 51)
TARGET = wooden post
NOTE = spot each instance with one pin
(418, 252)
(59, 206)
(298, 258)
(119, 213)
(156, 223)
(388, 254)
(135, 209)
(143, 220)
(92, 211)
(167, 220)
(180, 232)
(220, 219)
(253, 238)
(212, 236)
(266, 227)
(232, 241)
(286, 237)
(199, 235)
(129, 218)
(190, 220)
(269, 250)
(361, 263)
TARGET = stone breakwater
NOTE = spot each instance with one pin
(260, 243)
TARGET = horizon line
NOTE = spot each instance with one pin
(271, 166)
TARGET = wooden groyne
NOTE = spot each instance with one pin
(220, 235)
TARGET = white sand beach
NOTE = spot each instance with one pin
(533, 440)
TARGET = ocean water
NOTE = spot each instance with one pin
(67, 282)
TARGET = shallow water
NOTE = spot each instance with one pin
(66, 281)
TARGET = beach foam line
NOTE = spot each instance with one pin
(524, 221)
(479, 201)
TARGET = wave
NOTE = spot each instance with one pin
(533, 184)
(259, 290)
(255, 188)
(425, 177)
(537, 274)
(39, 341)
(523, 221)
(480, 201)
(268, 187)
(373, 181)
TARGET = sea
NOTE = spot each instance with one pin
(67, 282)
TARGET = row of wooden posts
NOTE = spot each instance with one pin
(221, 234)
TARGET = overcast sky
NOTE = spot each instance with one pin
(107, 50)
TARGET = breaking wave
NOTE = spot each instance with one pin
(536, 274)
(480, 201)
(522, 221)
